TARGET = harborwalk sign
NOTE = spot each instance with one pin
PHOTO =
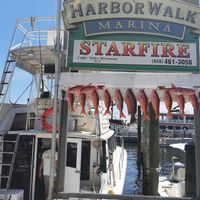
(135, 35)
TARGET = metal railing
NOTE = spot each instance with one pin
(118, 197)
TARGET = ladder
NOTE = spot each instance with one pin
(8, 151)
(6, 78)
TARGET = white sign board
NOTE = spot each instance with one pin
(135, 53)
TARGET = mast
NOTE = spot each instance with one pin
(55, 106)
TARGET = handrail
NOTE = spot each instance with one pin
(63, 195)
(32, 28)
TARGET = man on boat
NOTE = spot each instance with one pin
(44, 169)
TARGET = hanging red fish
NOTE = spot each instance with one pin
(168, 103)
(154, 98)
(119, 103)
(107, 101)
(194, 101)
(142, 98)
(94, 97)
(181, 103)
(70, 100)
(131, 103)
(82, 99)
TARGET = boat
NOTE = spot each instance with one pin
(127, 131)
(177, 127)
(94, 160)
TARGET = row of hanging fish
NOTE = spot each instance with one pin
(91, 92)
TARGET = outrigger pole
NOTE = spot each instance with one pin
(55, 104)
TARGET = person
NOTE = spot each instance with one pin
(44, 169)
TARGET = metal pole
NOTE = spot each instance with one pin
(197, 151)
(55, 106)
(34, 167)
(62, 143)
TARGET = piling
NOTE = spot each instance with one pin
(190, 173)
(139, 131)
(62, 142)
(197, 150)
(150, 153)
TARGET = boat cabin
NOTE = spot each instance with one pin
(90, 160)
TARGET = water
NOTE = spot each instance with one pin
(133, 180)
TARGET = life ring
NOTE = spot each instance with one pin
(45, 125)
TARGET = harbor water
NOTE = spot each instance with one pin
(133, 180)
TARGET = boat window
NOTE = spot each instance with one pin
(103, 158)
(19, 122)
(85, 160)
(71, 154)
(178, 127)
(112, 144)
(170, 127)
(175, 117)
(162, 127)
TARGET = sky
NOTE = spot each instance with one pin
(10, 11)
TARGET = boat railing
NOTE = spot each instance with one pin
(126, 130)
(37, 31)
(120, 142)
(31, 32)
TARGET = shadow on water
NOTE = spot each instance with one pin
(133, 180)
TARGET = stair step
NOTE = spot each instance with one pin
(9, 141)
(4, 83)
(3, 190)
(5, 164)
(1, 94)
(5, 152)
(7, 72)
(12, 60)
(9, 165)
(1, 176)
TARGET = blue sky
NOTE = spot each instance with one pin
(10, 11)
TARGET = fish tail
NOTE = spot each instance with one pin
(133, 119)
(146, 117)
(173, 86)
(107, 112)
(183, 114)
(122, 115)
(72, 109)
(157, 116)
(96, 112)
(169, 115)
(83, 112)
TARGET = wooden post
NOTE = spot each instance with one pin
(139, 155)
(197, 150)
(62, 143)
(190, 174)
(145, 156)
(139, 122)
(151, 136)
(153, 152)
